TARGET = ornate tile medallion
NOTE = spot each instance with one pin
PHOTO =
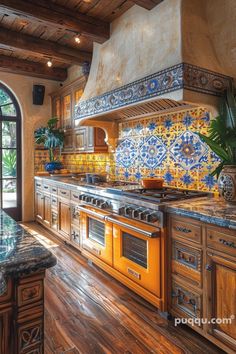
(188, 149)
(152, 152)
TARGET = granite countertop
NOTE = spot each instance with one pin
(20, 252)
(210, 210)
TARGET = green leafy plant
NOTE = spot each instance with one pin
(51, 138)
(9, 163)
(222, 132)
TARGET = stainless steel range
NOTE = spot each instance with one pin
(133, 202)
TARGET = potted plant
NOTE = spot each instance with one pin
(222, 140)
(52, 139)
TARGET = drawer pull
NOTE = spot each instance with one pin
(45, 187)
(183, 229)
(38, 185)
(54, 189)
(230, 244)
(75, 196)
(209, 267)
(187, 301)
(63, 192)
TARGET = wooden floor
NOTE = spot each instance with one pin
(87, 311)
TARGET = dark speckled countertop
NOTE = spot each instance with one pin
(210, 210)
(20, 252)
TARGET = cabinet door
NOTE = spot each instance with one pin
(47, 210)
(56, 107)
(68, 141)
(81, 139)
(5, 332)
(99, 140)
(66, 111)
(221, 285)
(64, 218)
(39, 205)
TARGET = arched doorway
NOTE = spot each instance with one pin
(10, 154)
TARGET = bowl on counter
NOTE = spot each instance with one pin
(152, 183)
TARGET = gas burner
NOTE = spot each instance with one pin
(165, 194)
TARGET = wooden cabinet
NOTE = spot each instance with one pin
(39, 205)
(203, 278)
(5, 331)
(21, 315)
(89, 139)
(64, 218)
(82, 139)
(43, 207)
(221, 290)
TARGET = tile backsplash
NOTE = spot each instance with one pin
(165, 146)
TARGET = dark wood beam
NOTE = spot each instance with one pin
(147, 4)
(58, 17)
(29, 68)
(48, 49)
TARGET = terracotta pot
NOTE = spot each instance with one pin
(227, 183)
(152, 183)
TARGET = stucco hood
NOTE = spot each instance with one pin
(155, 61)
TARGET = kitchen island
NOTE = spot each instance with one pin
(23, 261)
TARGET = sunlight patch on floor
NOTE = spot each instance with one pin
(45, 241)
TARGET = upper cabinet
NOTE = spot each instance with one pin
(81, 139)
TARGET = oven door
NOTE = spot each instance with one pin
(96, 233)
(137, 252)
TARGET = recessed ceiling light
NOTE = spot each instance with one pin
(49, 63)
(77, 38)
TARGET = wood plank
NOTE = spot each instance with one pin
(58, 17)
(16, 40)
(87, 311)
(147, 4)
(28, 68)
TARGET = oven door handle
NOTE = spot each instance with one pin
(150, 234)
(92, 213)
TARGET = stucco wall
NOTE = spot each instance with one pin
(141, 43)
(222, 19)
(32, 117)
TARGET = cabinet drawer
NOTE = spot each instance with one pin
(75, 196)
(54, 202)
(221, 241)
(38, 185)
(187, 262)
(29, 293)
(65, 193)
(186, 301)
(187, 230)
(47, 188)
(54, 190)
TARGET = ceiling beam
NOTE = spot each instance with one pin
(58, 17)
(48, 49)
(29, 68)
(147, 4)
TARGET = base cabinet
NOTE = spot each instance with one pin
(221, 295)
(22, 316)
(203, 278)
(6, 329)
(64, 218)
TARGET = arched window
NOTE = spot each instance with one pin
(10, 154)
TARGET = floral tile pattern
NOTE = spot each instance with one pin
(188, 149)
(168, 146)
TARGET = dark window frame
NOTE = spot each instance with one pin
(16, 212)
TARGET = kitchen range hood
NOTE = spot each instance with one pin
(155, 62)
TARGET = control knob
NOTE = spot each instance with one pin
(128, 211)
(151, 217)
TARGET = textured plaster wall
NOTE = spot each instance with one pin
(221, 20)
(142, 42)
(32, 117)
